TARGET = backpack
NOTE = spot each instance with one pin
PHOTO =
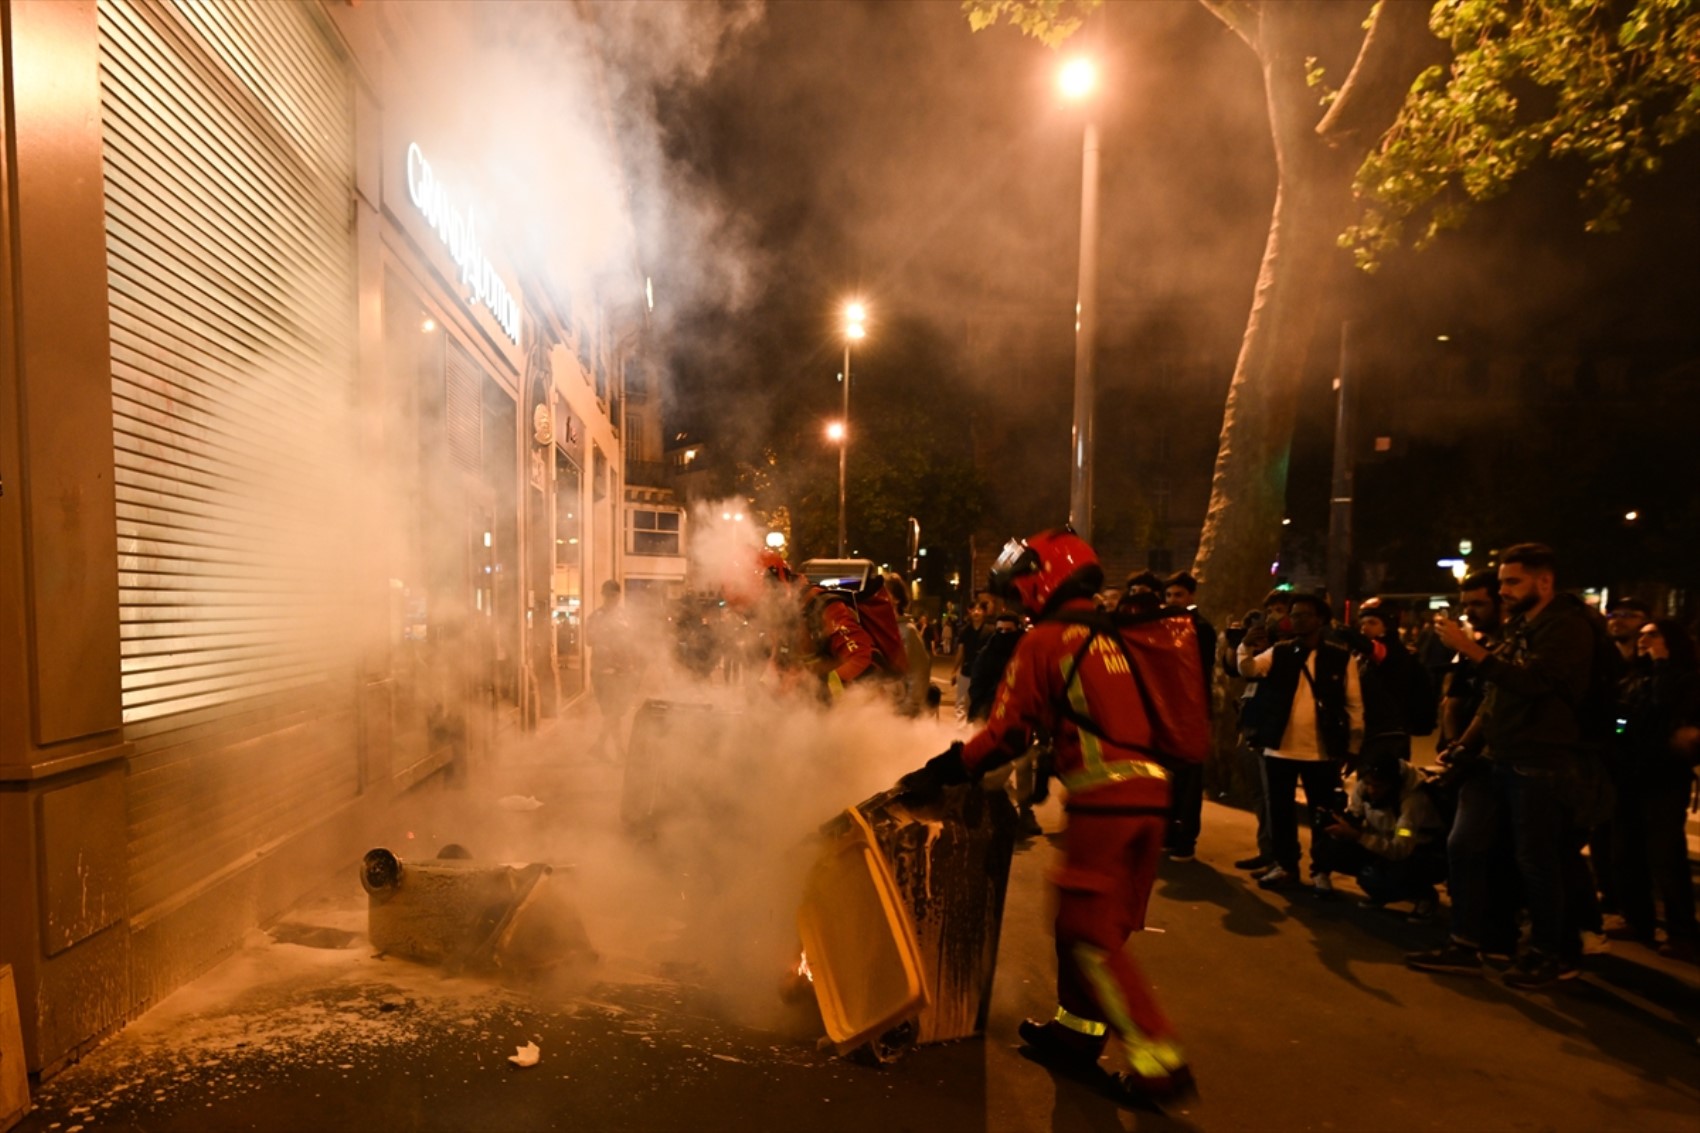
(877, 614)
(1161, 650)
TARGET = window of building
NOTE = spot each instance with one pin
(655, 532)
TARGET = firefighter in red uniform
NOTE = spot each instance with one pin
(830, 640)
(1074, 684)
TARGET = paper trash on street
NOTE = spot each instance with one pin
(518, 802)
(526, 1055)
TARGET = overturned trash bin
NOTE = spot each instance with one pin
(462, 913)
(901, 918)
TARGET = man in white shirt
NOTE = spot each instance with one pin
(1310, 719)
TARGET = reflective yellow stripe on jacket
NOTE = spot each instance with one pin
(1095, 771)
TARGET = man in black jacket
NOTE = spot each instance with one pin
(1529, 728)
(970, 636)
(1310, 718)
(989, 668)
(1396, 686)
(990, 663)
(1246, 755)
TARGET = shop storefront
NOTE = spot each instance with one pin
(306, 491)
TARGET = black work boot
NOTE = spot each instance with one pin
(1175, 1086)
(1061, 1046)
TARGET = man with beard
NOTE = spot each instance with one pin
(1529, 729)
(1463, 688)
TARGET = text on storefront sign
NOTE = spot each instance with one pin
(459, 234)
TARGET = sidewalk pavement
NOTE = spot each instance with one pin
(1296, 1011)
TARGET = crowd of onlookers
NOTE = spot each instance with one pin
(1531, 754)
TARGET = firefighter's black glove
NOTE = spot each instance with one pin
(939, 772)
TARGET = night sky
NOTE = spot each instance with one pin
(884, 150)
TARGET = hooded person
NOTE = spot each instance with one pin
(1073, 681)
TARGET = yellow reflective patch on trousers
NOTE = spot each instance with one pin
(1094, 963)
(1081, 1026)
(1148, 1057)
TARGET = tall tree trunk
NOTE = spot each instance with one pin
(1242, 528)
(1297, 282)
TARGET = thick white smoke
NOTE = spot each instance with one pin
(687, 855)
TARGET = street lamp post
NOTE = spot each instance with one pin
(854, 316)
(1078, 80)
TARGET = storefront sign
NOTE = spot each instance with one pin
(460, 236)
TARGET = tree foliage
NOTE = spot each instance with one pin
(1048, 21)
(1607, 84)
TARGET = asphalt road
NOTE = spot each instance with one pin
(1296, 1012)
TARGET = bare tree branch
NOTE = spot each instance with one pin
(1395, 50)
(1241, 16)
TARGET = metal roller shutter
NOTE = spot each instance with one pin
(229, 174)
(463, 409)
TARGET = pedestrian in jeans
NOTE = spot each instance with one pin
(1310, 719)
(969, 639)
(1247, 758)
(1529, 732)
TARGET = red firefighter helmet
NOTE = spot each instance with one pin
(747, 582)
(1045, 568)
(771, 564)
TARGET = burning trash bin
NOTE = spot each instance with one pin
(461, 913)
(901, 918)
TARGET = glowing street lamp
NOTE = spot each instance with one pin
(1078, 81)
(1078, 78)
(776, 540)
(835, 431)
(855, 315)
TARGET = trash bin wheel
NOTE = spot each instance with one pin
(889, 1047)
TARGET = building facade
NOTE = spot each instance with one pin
(309, 469)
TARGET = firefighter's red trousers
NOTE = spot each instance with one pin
(1109, 866)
